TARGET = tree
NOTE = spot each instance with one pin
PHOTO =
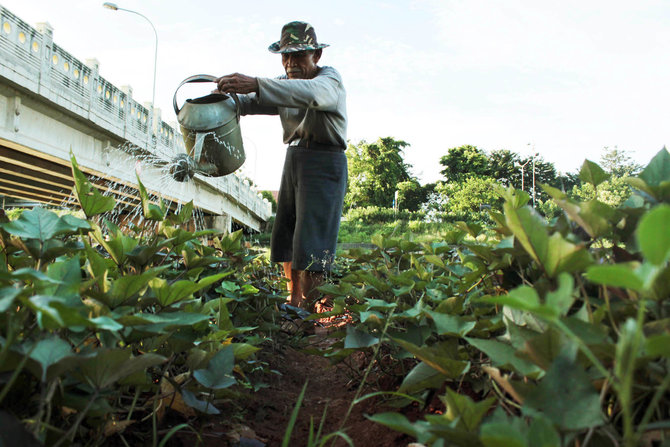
(618, 163)
(503, 166)
(615, 190)
(565, 182)
(471, 194)
(270, 198)
(463, 162)
(539, 172)
(375, 170)
(411, 194)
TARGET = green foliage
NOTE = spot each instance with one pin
(592, 173)
(610, 186)
(473, 178)
(614, 191)
(14, 213)
(375, 169)
(531, 333)
(218, 373)
(371, 215)
(150, 210)
(93, 317)
(472, 194)
(561, 326)
(411, 195)
(654, 180)
(270, 198)
(90, 199)
(463, 162)
(503, 165)
(618, 163)
(360, 225)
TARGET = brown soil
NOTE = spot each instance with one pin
(331, 388)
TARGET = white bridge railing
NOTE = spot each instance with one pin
(30, 59)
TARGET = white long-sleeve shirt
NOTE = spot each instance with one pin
(309, 109)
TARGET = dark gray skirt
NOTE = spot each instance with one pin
(309, 207)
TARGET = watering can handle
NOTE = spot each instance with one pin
(204, 78)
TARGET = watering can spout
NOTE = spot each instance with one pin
(211, 132)
(182, 168)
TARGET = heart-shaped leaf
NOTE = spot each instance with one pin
(90, 199)
(592, 173)
(653, 235)
(357, 339)
(49, 352)
(217, 375)
(111, 365)
(42, 224)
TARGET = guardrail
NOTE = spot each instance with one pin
(30, 58)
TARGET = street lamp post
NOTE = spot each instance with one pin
(395, 202)
(522, 166)
(534, 155)
(114, 7)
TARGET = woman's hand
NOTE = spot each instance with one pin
(237, 83)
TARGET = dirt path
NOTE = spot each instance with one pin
(268, 410)
(329, 385)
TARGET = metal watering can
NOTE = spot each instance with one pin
(211, 131)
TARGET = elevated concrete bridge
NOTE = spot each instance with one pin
(52, 103)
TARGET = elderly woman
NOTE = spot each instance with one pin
(311, 103)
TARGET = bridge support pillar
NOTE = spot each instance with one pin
(222, 223)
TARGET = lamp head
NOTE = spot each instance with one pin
(111, 6)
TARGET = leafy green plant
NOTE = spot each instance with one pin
(102, 328)
(527, 332)
(557, 330)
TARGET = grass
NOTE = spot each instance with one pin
(362, 233)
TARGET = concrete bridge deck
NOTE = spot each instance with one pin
(51, 103)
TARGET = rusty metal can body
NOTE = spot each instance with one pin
(210, 126)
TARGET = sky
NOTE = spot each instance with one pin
(563, 79)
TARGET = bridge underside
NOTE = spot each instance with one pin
(30, 176)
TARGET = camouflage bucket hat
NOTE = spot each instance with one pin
(296, 36)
